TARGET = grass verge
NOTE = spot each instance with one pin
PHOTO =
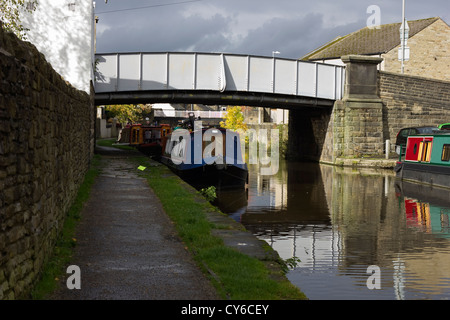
(235, 275)
(66, 242)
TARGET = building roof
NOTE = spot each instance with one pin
(368, 41)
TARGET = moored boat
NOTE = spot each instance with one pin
(211, 154)
(426, 160)
(148, 139)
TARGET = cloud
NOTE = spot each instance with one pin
(156, 33)
(293, 37)
(243, 26)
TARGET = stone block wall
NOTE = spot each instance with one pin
(358, 129)
(46, 144)
(371, 113)
(412, 101)
(356, 121)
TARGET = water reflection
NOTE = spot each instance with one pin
(340, 221)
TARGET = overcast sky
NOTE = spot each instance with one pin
(257, 27)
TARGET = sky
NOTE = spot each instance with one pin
(255, 27)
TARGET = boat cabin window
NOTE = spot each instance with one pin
(445, 153)
(425, 151)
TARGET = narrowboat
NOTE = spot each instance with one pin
(148, 139)
(206, 154)
(426, 160)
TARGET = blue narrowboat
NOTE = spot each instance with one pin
(212, 154)
(426, 160)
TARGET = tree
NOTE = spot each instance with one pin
(10, 15)
(234, 120)
(129, 112)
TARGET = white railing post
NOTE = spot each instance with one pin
(140, 71)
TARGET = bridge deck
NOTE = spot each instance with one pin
(215, 77)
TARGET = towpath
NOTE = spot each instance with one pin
(127, 247)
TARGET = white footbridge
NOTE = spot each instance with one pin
(215, 78)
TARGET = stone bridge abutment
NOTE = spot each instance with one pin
(374, 107)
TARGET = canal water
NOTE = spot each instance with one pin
(349, 233)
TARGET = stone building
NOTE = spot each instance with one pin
(429, 43)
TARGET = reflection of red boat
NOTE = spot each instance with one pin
(417, 213)
(146, 138)
(427, 209)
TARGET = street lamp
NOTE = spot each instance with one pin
(404, 34)
(274, 53)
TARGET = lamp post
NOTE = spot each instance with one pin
(404, 33)
(273, 78)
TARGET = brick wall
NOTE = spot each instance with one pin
(412, 101)
(46, 143)
(430, 53)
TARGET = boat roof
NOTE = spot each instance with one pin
(435, 133)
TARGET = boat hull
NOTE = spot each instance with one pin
(210, 174)
(430, 174)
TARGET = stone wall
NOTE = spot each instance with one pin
(357, 129)
(376, 105)
(356, 121)
(46, 144)
(412, 101)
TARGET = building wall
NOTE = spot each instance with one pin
(63, 31)
(46, 144)
(412, 101)
(429, 53)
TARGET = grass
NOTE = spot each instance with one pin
(235, 275)
(63, 250)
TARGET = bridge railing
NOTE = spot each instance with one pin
(116, 72)
(204, 114)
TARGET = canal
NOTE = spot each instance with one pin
(333, 223)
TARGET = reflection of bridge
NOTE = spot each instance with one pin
(214, 78)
